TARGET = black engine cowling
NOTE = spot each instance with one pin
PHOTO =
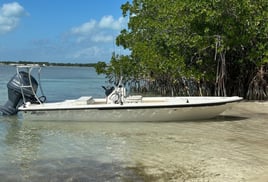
(15, 92)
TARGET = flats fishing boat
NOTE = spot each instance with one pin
(116, 106)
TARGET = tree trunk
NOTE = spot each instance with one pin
(220, 89)
(258, 86)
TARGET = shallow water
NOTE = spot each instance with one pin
(231, 147)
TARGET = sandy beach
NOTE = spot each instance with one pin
(230, 148)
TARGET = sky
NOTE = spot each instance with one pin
(71, 31)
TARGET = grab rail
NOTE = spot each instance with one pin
(29, 68)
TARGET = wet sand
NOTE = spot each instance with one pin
(253, 137)
(232, 147)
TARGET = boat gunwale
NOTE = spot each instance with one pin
(128, 106)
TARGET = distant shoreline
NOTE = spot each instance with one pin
(47, 63)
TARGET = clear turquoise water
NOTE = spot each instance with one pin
(231, 147)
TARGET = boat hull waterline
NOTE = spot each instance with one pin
(157, 109)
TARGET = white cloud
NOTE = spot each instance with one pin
(94, 39)
(10, 15)
(104, 30)
(85, 28)
(110, 23)
(102, 38)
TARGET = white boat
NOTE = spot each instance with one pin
(116, 106)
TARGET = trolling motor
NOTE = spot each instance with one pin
(108, 90)
(21, 88)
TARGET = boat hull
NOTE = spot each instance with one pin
(157, 112)
(133, 115)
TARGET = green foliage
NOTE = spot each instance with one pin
(175, 39)
(100, 67)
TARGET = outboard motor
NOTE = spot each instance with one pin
(18, 85)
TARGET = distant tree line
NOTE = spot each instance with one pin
(190, 47)
(49, 63)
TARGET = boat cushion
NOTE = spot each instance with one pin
(134, 99)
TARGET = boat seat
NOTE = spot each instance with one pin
(85, 100)
(134, 99)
